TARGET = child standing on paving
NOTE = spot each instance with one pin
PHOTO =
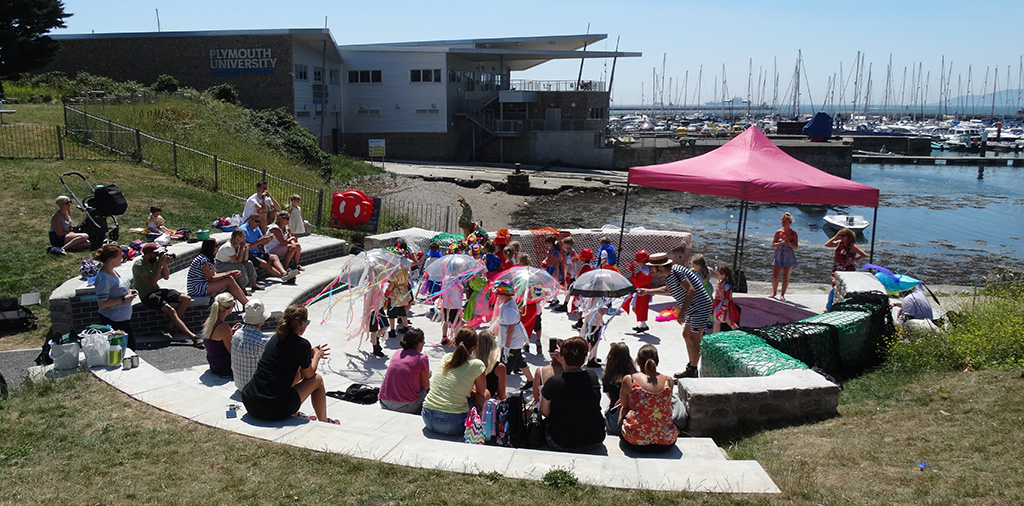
(511, 334)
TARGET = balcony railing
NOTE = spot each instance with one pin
(525, 85)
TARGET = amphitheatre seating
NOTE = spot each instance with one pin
(370, 432)
(73, 304)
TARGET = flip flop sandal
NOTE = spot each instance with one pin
(334, 421)
(300, 414)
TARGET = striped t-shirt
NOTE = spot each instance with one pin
(196, 281)
(701, 302)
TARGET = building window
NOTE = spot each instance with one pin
(301, 72)
(367, 112)
(455, 76)
(334, 74)
(425, 76)
(428, 111)
(596, 113)
(302, 114)
(318, 74)
(364, 76)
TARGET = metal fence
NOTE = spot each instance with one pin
(19, 140)
(398, 214)
(90, 137)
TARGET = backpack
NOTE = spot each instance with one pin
(14, 316)
(357, 393)
(511, 429)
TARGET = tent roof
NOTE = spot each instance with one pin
(751, 168)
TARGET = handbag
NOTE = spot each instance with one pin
(534, 429)
(474, 428)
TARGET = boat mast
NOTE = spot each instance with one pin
(995, 84)
(796, 87)
(856, 82)
(867, 92)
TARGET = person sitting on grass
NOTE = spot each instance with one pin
(407, 380)
(286, 374)
(202, 280)
(62, 239)
(147, 270)
(645, 418)
(217, 335)
(460, 382)
(255, 242)
(571, 403)
(248, 343)
(155, 224)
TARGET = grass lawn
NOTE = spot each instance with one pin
(78, 441)
(30, 187)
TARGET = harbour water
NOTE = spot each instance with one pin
(942, 224)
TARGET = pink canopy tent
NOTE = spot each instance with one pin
(751, 168)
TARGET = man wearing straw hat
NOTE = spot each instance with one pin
(680, 283)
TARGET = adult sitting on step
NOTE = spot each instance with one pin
(233, 255)
(255, 242)
(283, 243)
(286, 375)
(248, 343)
(217, 335)
(407, 379)
(147, 270)
(202, 280)
(571, 403)
(645, 418)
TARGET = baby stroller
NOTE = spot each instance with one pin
(105, 202)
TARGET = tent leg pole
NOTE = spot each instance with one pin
(739, 229)
(743, 236)
(874, 229)
(622, 227)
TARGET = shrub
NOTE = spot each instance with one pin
(165, 84)
(225, 93)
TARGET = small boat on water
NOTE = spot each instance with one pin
(855, 223)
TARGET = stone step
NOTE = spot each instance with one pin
(367, 431)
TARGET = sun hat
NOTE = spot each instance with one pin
(642, 256)
(150, 247)
(504, 288)
(255, 313)
(659, 260)
(586, 254)
(63, 199)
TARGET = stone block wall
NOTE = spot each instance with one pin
(720, 405)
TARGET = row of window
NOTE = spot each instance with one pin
(302, 74)
(376, 112)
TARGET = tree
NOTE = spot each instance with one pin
(24, 45)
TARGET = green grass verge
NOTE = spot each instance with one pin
(79, 441)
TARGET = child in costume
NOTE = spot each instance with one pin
(399, 295)
(725, 310)
(569, 266)
(511, 335)
(641, 277)
(595, 324)
(586, 261)
(491, 261)
(531, 309)
(501, 239)
(451, 303)
(606, 258)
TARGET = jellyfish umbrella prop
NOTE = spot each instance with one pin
(601, 283)
(531, 284)
(360, 272)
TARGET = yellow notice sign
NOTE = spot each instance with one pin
(377, 148)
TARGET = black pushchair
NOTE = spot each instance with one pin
(105, 202)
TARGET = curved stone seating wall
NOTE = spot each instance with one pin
(73, 303)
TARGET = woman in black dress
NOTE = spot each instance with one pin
(286, 374)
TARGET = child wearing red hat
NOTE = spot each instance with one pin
(640, 275)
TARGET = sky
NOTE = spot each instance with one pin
(748, 38)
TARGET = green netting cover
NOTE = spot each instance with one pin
(856, 348)
(815, 344)
(444, 239)
(737, 353)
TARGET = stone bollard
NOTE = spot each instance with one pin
(518, 183)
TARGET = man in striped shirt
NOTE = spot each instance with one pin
(682, 283)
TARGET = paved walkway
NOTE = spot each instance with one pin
(697, 464)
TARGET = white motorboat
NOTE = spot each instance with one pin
(855, 223)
